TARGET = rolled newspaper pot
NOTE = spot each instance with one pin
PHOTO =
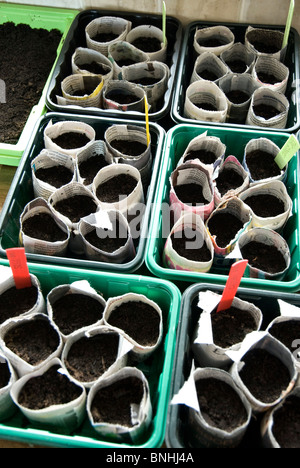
(123, 96)
(136, 403)
(108, 348)
(259, 161)
(209, 150)
(90, 160)
(267, 252)
(188, 246)
(46, 408)
(106, 236)
(81, 90)
(270, 204)
(56, 134)
(150, 39)
(238, 89)
(8, 378)
(268, 109)
(153, 78)
(123, 54)
(271, 73)
(65, 303)
(16, 338)
(230, 180)
(210, 67)
(42, 231)
(139, 319)
(88, 61)
(205, 101)
(263, 41)
(215, 39)
(238, 58)
(104, 31)
(50, 170)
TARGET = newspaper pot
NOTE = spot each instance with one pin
(60, 403)
(150, 39)
(123, 96)
(264, 41)
(205, 101)
(53, 133)
(230, 180)
(66, 302)
(7, 378)
(208, 66)
(87, 61)
(209, 150)
(81, 90)
(271, 73)
(42, 231)
(238, 58)
(104, 31)
(90, 160)
(268, 108)
(215, 39)
(123, 54)
(188, 246)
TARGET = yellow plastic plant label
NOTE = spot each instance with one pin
(287, 152)
(147, 121)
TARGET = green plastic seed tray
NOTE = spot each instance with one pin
(235, 141)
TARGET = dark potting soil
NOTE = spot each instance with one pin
(14, 302)
(87, 90)
(71, 140)
(125, 62)
(205, 156)
(265, 205)
(286, 423)
(55, 175)
(147, 44)
(237, 66)
(237, 96)
(95, 68)
(266, 44)
(262, 165)
(129, 147)
(89, 358)
(76, 207)
(42, 226)
(220, 405)
(146, 81)
(230, 326)
(265, 376)
(90, 167)
(4, 374)
(183, 243)
(206, 106)
(74, 311)
(105, 37)
(191, 194)
(116, 187)
(267, 78)
(228, 179)
(264, 257)
(121, 97)
(51, 388)
(27, 56)
(265, 111)
(212, 42)
(288, 332)
(33, 341)
(208, 75)
(112, 404)
(138, 320)
(107, 241)
(225, 227)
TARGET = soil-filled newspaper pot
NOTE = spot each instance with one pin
(44, 240)
(230, 165)
(261, 394)
(265, 65)
(81, 90)
(95, 156)
(215, 39)
(204, 100)
(276, 189)
(80, 366)
(211, 147)
(151, 34)
(66, 416)
(205, 349)
(203, 432)
(262, 40)
(122, 52)
(268, 99)
(7, 406)
(106, 25)
(123, 96)
(88, 57)
(53, 131)
(135, 403)
(237, 55)
(210, 63)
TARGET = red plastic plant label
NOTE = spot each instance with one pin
(235, 275)
(18, 264)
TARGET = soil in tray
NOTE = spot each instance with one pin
(89, 358)
(71, 140)
(183, 243)
(265, 376)
(264, 257)
(42, 226)
(116, 187)
(55, 175)
(205, 156)
(225, 227)
(265, 111)
(33, 341)
(228, 179)
(107, 241)
(211, 42)
(95, 68)
(146, 81)
(267, 78)
(27, 56)
(288, 332)
(230, 326)
(262, 165)
(208, 75)
(220, 405)
(76, 207)
(129, 147)
(122, 98)
(206, 106)
(286, 426)
(147, 44)
(90, 167)
(265, 205)
(74, 311)
(125, 62)
(51, 388)
(112, 404)
(237, 96)
(105, 37)
(138, 320)
(14, 302)
(237, 66)
(4, 374)
(191, 194)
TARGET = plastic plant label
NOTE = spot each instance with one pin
(187, 395)
(287, 152)
(18, 263)
(164, 21)
(147, 120)
(288, 23)
(235, 275)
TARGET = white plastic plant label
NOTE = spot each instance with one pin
(187, 395)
